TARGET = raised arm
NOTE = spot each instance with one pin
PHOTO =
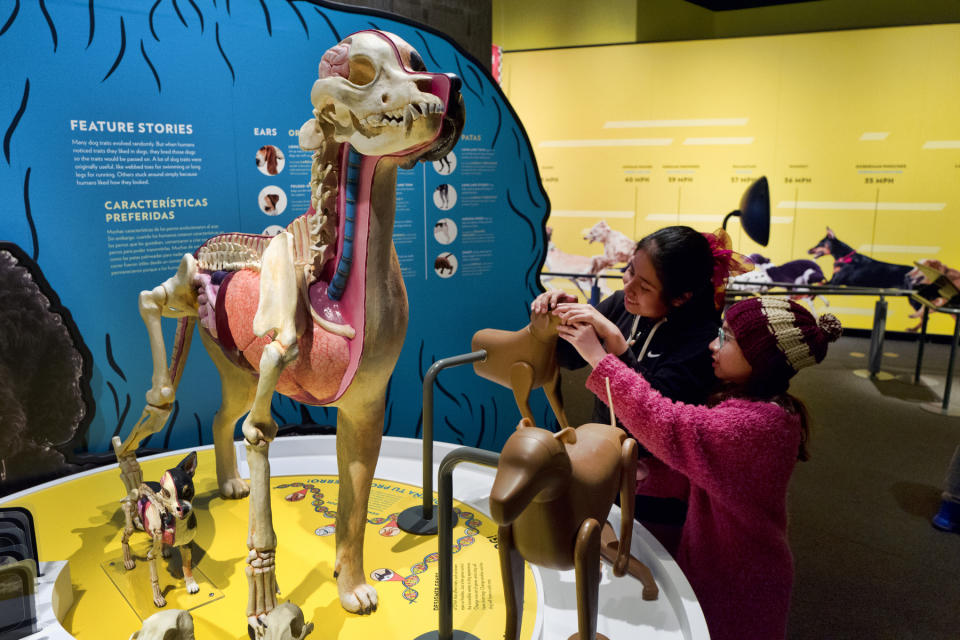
(720, 448)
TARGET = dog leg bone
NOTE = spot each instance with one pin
(158, 598)
(251, 595)
(261, 539)
(128, 509)
(130, 472)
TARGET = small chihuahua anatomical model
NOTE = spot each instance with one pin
(524, 360)
(163, 510)
(551, 496)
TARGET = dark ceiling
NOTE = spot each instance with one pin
(729, 5)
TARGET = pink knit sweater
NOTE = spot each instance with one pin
(738, 457)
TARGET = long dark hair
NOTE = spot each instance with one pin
(758, 389)
(683, 260)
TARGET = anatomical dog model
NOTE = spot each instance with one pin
(551, 497)
(319, 311)
(163, 510)
(524, 360)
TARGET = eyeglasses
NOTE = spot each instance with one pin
(721, 338)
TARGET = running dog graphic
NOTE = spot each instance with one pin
(855, 269)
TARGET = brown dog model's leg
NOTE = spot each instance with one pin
(586, 563)
(511, 569)
(359, 434)
(238, 388)
(521, 381)
(554, 397)
(609, 548)
(618, 552)
(628, 485)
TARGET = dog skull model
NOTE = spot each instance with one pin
(175, 624)
(286, 623)
(371, 99)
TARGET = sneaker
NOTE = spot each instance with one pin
(948, 518)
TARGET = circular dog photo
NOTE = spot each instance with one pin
(445, 230)
(382, 575)
(270, 160)
(272, 200)
(445, 265)
(272, 230)
(444, 196)
(445, 165)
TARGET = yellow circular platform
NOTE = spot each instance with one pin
(79, 520)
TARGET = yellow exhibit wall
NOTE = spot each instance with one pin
(858, 130)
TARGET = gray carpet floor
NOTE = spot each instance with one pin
(868, 562)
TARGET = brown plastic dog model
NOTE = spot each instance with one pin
(524, 360)
(163, 510)
(551, 496)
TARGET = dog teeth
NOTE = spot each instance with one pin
(404, 116)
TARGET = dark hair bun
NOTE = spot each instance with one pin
(830, 326)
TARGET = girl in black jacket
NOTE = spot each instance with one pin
(660, 324)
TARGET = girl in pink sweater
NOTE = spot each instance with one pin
(738, 454)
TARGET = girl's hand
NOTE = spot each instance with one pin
(584, 339)
(547, 302)
(608, 333)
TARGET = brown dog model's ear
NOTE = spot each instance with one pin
(189, 464)
(525, 423)
(567, 436)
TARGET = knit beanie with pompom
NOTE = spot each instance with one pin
(779, 337)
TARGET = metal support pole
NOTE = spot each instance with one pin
(923, 341)
(595, 292)
(876, 336)
(445, 539)
(417, 520)
(943, 408)
(948, 383)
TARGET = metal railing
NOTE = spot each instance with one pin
(746, 289)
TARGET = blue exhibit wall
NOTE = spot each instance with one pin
(130, 132)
